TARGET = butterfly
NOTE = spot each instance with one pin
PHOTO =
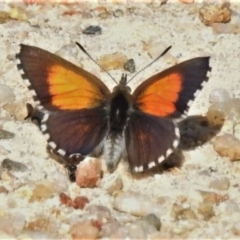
(82, 117)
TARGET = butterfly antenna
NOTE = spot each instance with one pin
(85, 51)
(162, 54)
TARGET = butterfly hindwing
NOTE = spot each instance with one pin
(57, 83)
(75, 132)
(168, 93)
(149, 140)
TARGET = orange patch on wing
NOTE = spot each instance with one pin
(70, 90)
(160, 97)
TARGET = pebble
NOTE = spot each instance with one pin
(4, 134)
(3, 190)
(136, 204)
(186, 1)
(231, 207)
(11, 165)
(206, 209)
(60, 181)
(213, 198)
(43, 190)
(215, 13)
(111, 183)
(7, 176)
(92, 30)
(184, 227)
(130, 66)
(152, 219)
(99, 212)
(227, 145)
(118, 13)
(17, 109)
(84, 230)
(221, 184)
(219, 95)
(112, 61)
(109, 228)
(78, 203)
(18, 13)
(6, 95)
(88, 173)
(40, 224)
(154, 47)
(136, 230)
(216, 115)
(4, 17)
(179, 212)
(224, 28)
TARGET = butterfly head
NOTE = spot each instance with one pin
(122, 86)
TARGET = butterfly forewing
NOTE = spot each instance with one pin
(59, 84)
(168, 93)
(75, 121)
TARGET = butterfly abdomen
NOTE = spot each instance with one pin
(114, 144)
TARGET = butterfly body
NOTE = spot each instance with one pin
(81, 116)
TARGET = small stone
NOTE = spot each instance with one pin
(112, 61)
(60, 181)
(7, 176)
(224, 28)
(99, 11)
(65, 199)
(78, 203)
(206, 209)
(92, 30)
(11, 165)
(3, 190)
(43, 190)
(111, 183)
(153, 220)
(136, 204)
(184, 227)
(215, 13)
(6, 95)
(4, 17)
(130, 66)
(221, 184)
(227, 145)
(154, 47)
(99, 212)
(219, 95)
(88, 173)
(84, 230)
(216, 114)
(109, 228)
(118, 13)
(231, 207)
(39, 224)
(17, 109)
(6, 134)
(214, 198)
(179, 212)
(187, 1)
(18, 13)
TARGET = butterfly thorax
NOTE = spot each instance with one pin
(119, 107)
